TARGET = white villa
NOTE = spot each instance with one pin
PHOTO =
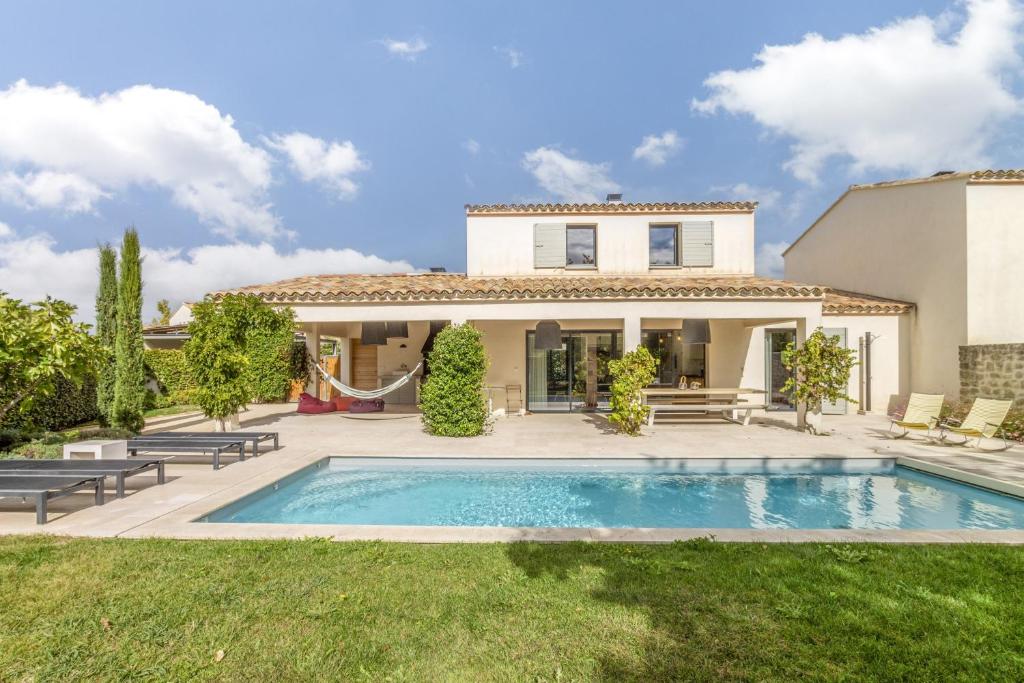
(676, 277)
(952, 243)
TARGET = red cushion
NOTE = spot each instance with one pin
(342, 403)
(311, 405)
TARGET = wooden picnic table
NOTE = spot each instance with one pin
(706, 399)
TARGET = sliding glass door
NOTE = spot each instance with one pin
(573, 377)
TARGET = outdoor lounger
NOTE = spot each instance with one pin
(44, 488)
(254, 438)
(984, 421)
(185, 445)
(119, 469)
(922, 414)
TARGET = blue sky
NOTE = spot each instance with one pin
(316, 127)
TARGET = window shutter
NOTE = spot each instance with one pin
(698, 243)
(549, 245)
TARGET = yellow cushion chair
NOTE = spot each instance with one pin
(922, 414)
(983, 422)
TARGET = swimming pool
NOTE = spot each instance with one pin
(790, 493)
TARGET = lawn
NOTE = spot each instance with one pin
(315, 610)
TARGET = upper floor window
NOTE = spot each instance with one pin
(690, 244)
(664, 244)
(580, 246)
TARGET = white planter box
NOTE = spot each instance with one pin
(96, 450)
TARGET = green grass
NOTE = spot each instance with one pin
(314, 610)
(170, 410)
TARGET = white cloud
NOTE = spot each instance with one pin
(767, 197)
(65, 150)
(28, 265)
(471, 146)
(907, 96)
(513, 56)
(769, 261)
(49, 190)
(5, 230)
(406, 49)
(316, 160)
(656, 149)
(571, 180)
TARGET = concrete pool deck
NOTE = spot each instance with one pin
(194, 489)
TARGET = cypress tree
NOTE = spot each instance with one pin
(129, 362)
(106, 330)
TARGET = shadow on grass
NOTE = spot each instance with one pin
(782, 612)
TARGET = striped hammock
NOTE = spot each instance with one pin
(374, 393)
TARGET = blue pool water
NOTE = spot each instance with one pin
(755, 493)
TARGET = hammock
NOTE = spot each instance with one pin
(375, 393)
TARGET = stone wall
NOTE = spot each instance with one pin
(992, 371)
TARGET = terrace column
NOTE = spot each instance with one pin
(804, 327)
(630, 333)
(313, 349)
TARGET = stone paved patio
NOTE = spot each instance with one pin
(194, 489)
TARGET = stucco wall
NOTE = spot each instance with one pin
(904, 242)
(503, 245)
(995, 263)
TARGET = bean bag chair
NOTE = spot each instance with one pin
(375, 405)
(343, 403)
(311, 405)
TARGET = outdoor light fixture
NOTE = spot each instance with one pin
(549, 336)
(696, 332)
(373, 334)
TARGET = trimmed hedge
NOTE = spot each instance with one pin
(452, 397)
(172, 374)
(69, 406)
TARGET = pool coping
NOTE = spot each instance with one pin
(182, 523)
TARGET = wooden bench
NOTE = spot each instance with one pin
(729, 411)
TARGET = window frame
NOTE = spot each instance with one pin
(580, 226)
(677, 237)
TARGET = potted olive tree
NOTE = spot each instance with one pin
(820, 372)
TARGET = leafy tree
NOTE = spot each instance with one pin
(820, 371)
(239, 350)
(129, 363)
(452, 398)
(631, 373)
(163, 308)
(39, 344)
(106, 330)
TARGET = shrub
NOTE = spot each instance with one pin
(452, 398)
(173, 377)
(239, 350)
(299, 362)
(69, 405)
(630, 374)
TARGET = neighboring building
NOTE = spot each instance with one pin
(172, 335)
(953, 244)
(612, 276)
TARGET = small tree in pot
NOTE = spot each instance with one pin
(631, 373)
(820, 372)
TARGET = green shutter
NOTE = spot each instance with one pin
(698, 243)
(549, 245)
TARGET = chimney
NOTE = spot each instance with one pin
(438, 269)
(614, 198)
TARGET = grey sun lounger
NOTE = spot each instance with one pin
(44, 488)
(253, 438)
(119, 469)
(187, 446)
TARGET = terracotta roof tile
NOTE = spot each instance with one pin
(603, 208)
(838, 301)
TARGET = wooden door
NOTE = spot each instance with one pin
(364, 366)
